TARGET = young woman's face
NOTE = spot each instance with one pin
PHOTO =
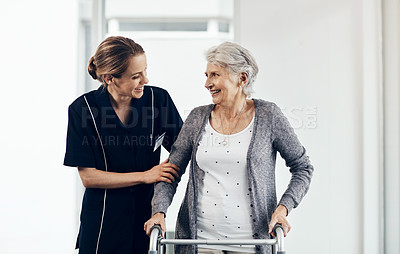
(132, 81)
(222, 87)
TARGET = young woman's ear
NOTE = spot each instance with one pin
(108, 78)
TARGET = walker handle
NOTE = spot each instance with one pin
(278, 230)
(155, 233)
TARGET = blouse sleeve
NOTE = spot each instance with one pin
(287, 144)
(78, 151)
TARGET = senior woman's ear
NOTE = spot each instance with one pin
(244, 77)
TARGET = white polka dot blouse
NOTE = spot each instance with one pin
(224, 202)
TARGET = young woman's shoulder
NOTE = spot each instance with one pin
(90, 96)
(160, 94)
(157, 91)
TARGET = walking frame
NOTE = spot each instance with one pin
(157, 241)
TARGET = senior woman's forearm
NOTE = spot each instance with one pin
(164, 192)
(293, 152)
(180, 155)
(162, 198)
(299, 184)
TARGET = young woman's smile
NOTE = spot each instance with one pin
(132, 81)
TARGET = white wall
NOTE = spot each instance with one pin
(134, 9)
(312, 55)
(38, 62)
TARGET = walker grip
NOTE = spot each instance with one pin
(155, 233)
(279, 233)
(276, 227)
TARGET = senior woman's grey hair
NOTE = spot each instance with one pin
(235, 59)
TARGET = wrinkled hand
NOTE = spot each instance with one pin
(279, 217)
(157, 218)
(165, 172)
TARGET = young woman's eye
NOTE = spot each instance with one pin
(136, 77)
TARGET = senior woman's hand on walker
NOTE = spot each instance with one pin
(279, 217)
(157, 219)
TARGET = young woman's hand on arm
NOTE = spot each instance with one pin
(94, 178)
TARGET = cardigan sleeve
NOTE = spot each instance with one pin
(180, 155)
(285, 141)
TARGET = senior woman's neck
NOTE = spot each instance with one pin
(233, 109)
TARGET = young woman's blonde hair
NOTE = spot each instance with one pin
(112, 57)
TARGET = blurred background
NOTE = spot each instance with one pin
(332, 66)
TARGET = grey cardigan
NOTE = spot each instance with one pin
(272, 133)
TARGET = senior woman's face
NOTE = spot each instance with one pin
(220, 83)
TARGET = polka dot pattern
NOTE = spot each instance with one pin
(224, 207)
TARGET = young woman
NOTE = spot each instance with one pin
(114, 138)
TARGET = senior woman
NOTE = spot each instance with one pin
(232, 145)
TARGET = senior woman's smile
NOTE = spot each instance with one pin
(214, 92)
(222, 85)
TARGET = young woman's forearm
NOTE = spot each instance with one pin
(94, 178)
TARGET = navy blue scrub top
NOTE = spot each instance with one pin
(128, 148)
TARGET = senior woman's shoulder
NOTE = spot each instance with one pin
(197, 114)
(201, 110)
(265, 105)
